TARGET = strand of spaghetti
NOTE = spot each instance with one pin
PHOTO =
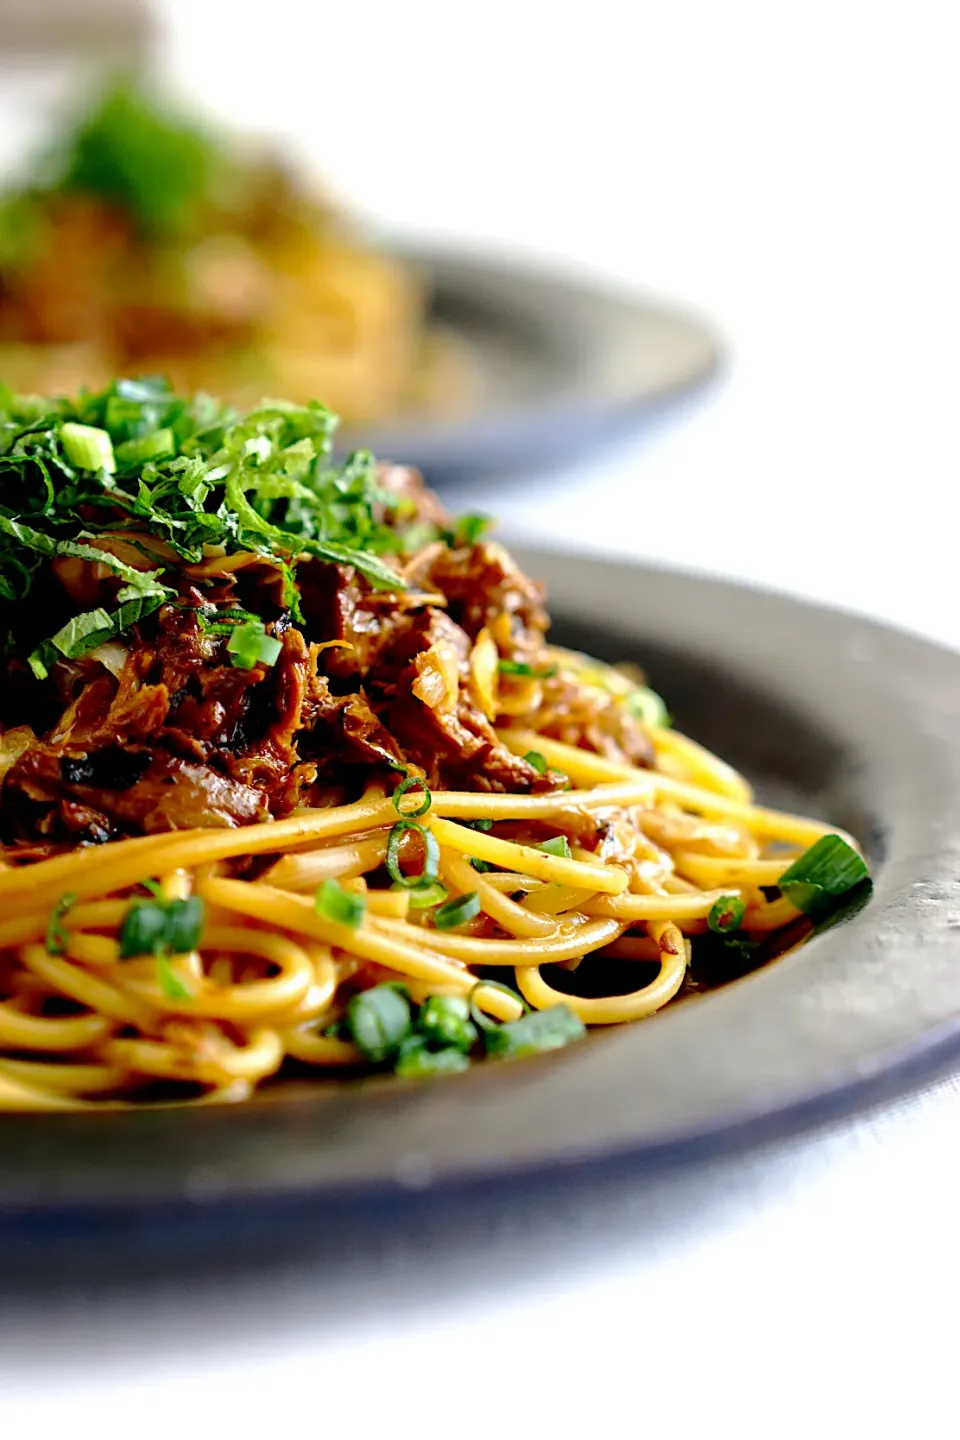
(88, 990)
(15, 1095)
(296, 913)
(260, 1056)
(465, 805)
(554, 899)
(610, 879)
(770, 916)
(252, 999)
(83, 1079)
(305, 1043)
(53, 1033)
(615, 1009)
(568, 942)
(308, 869)
(102, 914)
(656, 907)
(587, 768)
(714, 870)
(460, 876)
(125, 862)
(701, 765)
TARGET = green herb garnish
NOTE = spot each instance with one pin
(726, 914)
(534, 758)
(445, 1020)
(457, 911)
(333, 902)
(557, 845)
(57, 937)
(409, 783)
(521, 667)
(250, 645)
(820, 880)
(167, 927)
(431, 856)
(540, 1030)
(416, 1060)
(378, 1022)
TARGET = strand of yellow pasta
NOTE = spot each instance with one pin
(656, 907)
(460, 877)
(87, 989)
(715, 870)
(587, 768)
(615, 1009)
(50, 1033)
(258, 1057)
(80, 1079)
(610, 879)
(15, 1095)
(251, 1000)
(702, 766)
(297, 913)
(568, 942)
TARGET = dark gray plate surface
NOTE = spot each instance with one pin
(825, 711)
(561, 366)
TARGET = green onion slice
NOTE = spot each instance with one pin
(158, 927)
(534, 758)
(425, 896)
(557, 845)
(56, 937)
(170, 983)
(345, 907)
(817, 882)
(540, 1030)
(250, 645)
(457, 911)
(378, 1021)
(409, 783)
(416, 1060)
(431, 857)
(727, 914)
(445, 1020)
(87, 447)
(521, 667)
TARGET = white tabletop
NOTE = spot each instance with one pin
(791, 172)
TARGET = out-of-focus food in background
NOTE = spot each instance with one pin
(143, 244)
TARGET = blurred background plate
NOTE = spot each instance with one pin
(559, 366)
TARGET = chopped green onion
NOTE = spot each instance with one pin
(343, 906)
(146, 447)
(154, 927)
(408, 784)
(482, 825)
(520, 667)
(483, 867)
(416, 1060)
(540, 1030)
(469, 529)
(87, 447)
(817, 882)
(431, 856)
(557, 845)
(727, 914)
(425, 895)
(647, 707)
(378, 1021)
(170, 983)
(56, 937)
(457, 911)
(534, 758)
(445, 1019)
(250, 645)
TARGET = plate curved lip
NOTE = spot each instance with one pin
(636, 352)
(864, 1009)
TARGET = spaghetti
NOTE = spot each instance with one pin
(273, 811)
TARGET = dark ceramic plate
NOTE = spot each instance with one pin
(560, 367)
(826, 712)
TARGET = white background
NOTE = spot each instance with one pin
(790, 170)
